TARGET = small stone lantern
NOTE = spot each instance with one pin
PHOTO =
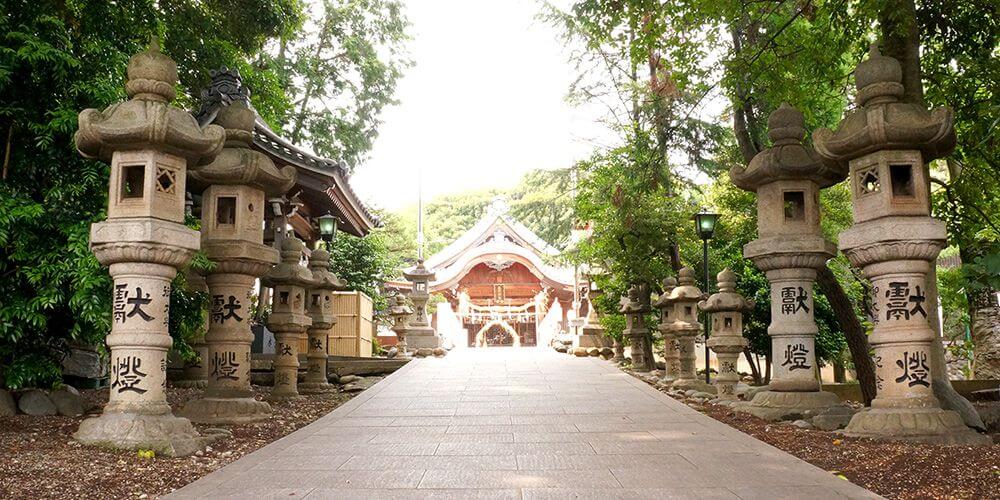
(400, 313)
(884, 146)
(790, 247)
(671, 351)
(685, 329)
(420, 333)
(727, 307)
(233, 190)
(320, 310)
(635, 327)
(288, 320)
(150, 145)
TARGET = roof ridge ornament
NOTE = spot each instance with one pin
(499, 206)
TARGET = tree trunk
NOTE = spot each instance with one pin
(984, 314)
(854, 332)
(901, 40)
(754, 367)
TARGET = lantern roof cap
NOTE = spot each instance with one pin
(669, 283)
(788, 158)
(882, 121)
(419, 273)
(319, 265)
(289, 272)
(727, 298)
(147, 121)
(686, 290)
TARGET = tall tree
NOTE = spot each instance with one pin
(341, 72)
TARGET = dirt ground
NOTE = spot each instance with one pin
(893, 470)
(39, 459)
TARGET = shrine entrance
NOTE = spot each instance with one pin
(497, 333)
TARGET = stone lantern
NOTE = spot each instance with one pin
(420, 333)
(884, 146)
(790, 247)
(685, 328)
(233, 190)
(149, 144)
(320, 311)
(400, 313)
(593, 332)
(195, 372)
(726, 307)
(288, 320)
(671, 351)
(635, 308)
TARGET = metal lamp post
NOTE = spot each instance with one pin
(704, 225)
(327, 229)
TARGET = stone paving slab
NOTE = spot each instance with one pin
(517, 424)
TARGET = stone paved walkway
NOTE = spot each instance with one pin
(518, 423)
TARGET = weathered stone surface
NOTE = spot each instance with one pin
(7, 405)
(989, 412)
(802, 424)
(391, 353)
(773, 405)
(347, 379)
(439, 351)
(164, 434)
(36, 402)
(84, 363)
(236, 410)
(833, 420)
(68, 401)
(594, 351)
(423, 352)
(352, 388)
(580, 352)
(560, 347)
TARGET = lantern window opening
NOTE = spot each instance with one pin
(133, 181)
(283, 298)
(901, 177)
(166, 180)
(687, 310)
(795, 205)
(225, 210)
(868, 181)
(315, 299)
(728, 322)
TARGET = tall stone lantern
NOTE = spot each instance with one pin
(400, 313)
(726, 308)
(671, 352)
(149, 144)
(790, 247)
(320, 311)
(233, 190)
(635, 327)
(420, 334)
(288, 319)
(685, 329)
(884, 146)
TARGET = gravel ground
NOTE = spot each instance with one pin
(39, 459)
(893, 470)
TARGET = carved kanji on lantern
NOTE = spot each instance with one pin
(727, 307)
(320, 310)
(883, 147)
(149, 144)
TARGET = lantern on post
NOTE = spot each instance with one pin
(704, 224)
(327, 229)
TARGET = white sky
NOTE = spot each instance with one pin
(483, 104)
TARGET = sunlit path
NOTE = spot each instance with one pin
(518, 423)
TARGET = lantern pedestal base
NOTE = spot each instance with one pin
(774, 405)
(190, 384)
(164, 434)
(421, 337)
(226, 410)
(914, 425)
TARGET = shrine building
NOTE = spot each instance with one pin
(501, 285)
